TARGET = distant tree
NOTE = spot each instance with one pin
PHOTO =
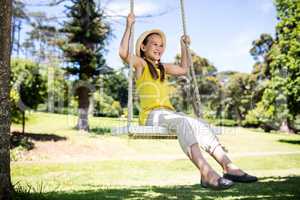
(106, 106)
(203, 67)
(213, 96)
(239, 96)
(42, 45)
(288, 63)
(41, 42)
(261, 47)
(86, 36)
(204, 71)
(5, 52)
(261, 52)
(280, 102)
(58, 89)
(116, 85)
(28, 87)
(19, 15)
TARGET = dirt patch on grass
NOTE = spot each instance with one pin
(85, 148)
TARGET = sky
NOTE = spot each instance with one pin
(220, 30)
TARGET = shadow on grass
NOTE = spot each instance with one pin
(101, 131)
(18, 139)
(270, 188)
(290, 141)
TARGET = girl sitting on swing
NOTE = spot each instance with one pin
(156, 109)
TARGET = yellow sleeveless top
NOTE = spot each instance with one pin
(152, 93)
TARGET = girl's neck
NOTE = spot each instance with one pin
(154, 62)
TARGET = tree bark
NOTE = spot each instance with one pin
(83, 108)
(184, 99)
(284, 127)
(238, 115)
(5, 52)
(23, 121)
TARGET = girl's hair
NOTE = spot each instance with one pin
(153, 71)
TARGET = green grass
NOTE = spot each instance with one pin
(269, 188)
(57, 123)
(78, 176)
(148, 169)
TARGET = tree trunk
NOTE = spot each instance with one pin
(83, 108)
(185, 100)
(23, 121)
(51, 88)
(219, 112)
(238, 115)
(13, 33)
(284, 127)
(5, 51)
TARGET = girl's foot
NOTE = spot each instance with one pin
(245, 178)
(235, 174)
(233, 170)
(213, 181)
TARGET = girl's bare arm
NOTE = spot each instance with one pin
(181, 69)
(124, 46)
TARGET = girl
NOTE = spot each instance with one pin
(156, 109)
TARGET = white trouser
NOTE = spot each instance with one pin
(189, 130)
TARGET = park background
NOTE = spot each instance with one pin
(65, 64)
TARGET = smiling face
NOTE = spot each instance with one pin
(153, 47)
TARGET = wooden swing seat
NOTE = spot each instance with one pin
(144, 132)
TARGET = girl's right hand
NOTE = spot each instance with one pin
(130, 19)
(185, 40)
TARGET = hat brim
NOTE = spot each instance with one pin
(144, 35)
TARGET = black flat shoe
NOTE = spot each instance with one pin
(223, 184)
(245, 178)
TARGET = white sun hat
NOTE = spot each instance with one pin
(144, 35)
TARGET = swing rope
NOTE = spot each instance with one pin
(196, 100)
(196, 105)
(130, 75)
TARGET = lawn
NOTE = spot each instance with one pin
(65, 164)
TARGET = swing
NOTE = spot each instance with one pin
(155, 132)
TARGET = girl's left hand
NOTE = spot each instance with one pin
(185, 40)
